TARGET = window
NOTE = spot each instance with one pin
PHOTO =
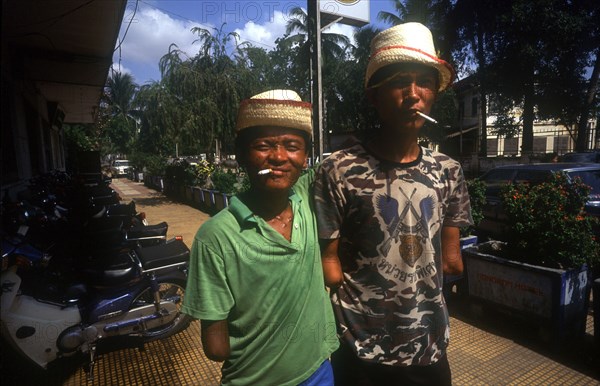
(540, 144)
(561, 144)
(492, 147)
(531, 177)
(511, 146)
(474, 106)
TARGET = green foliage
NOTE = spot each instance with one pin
(476, 189)
(180, 173)
(202, 171)
(507, 124)
(535, 51)
(445, 110)
(547, 224)
(225, 182)
(150, 163)
(156, 165)
(78, 138)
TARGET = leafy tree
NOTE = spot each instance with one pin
(79, 137)
(117, 104)
(333, 48)
(474, 21)
(350, 111)
(539, 61)
(432, 13)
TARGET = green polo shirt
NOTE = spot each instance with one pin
(270, 290)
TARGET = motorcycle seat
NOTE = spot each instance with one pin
(112, 268)
(171, 253)
(156, 230)
(52, 290)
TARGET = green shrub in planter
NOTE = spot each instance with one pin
(548, 225)
(476, 189)
(180, 173)
(202, 171)
(224, 182)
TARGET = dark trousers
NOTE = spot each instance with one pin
(348, 370)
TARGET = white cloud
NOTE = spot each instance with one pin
(153, 30)
(342, 29)
(116, 67)
(149, 36)
(264, 36)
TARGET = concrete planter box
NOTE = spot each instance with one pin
(554, 299)
(154, 182)
(208, 198)
(221, 201)
(197, 197)
(189, 193)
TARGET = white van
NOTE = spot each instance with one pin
(120, 167)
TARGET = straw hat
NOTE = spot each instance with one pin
(407, 43)
(280, 108)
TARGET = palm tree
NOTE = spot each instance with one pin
(333, 45)
(215, 45)
(120, 125)
(120, 93)
(408, 11)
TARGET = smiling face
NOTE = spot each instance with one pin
(402, 90)
(283, 150)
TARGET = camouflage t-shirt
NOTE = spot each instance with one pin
(388, 217)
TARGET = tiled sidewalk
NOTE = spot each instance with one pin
(486, 348)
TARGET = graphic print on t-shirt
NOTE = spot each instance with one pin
(408, 228)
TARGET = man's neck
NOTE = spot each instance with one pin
(266, 205)
(402, 150)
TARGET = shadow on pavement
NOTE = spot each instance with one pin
(581, 354)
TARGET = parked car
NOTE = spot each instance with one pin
(588, 156)
(120, 167)
(494, 220)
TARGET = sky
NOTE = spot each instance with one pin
(150, 26)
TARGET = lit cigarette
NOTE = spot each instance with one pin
(427, 117)
(264, 171)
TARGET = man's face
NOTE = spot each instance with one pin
(282, 150)
(411, 88)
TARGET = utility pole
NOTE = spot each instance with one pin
(314, 26)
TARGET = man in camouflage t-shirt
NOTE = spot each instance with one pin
(389, 213)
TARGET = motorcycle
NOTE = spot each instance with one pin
(137, 293)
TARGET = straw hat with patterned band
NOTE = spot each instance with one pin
(279, 108)
(407, 43)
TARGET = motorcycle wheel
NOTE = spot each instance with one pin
(170, 289)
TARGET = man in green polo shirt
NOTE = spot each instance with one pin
(255, 278)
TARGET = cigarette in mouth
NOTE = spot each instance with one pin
(264, 171)
(427, 117)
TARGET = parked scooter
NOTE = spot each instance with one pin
(138, 293)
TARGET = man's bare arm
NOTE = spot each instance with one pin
(332, 268)
(215, 339)
(452, 262)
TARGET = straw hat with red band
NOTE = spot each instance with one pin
(407, 43)
(275, 108)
